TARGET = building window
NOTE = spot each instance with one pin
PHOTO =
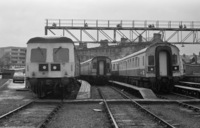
(14, 57)
(23, 50)
(14, 62)
(14, 49)
(22, 54)
(22, 58)
(12, 53)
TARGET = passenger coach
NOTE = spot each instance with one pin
(158, 67)
(96, 70)
(51, 65)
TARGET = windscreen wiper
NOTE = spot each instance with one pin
(57, 50)
(41, 51)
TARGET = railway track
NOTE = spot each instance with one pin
(33, 114)
(174, 96)
(121, 114)
(188, 88)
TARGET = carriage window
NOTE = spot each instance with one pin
(151, 60)
(138, 62)
(61, 54)
(94, 65)
(174, 59)
(143, 60)
(38, 55)
(108, 66)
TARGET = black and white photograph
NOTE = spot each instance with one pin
(99, 64)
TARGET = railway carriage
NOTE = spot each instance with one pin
(96, 70)
(157, 67)
(52, 65)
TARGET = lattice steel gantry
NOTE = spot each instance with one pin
(113, 31)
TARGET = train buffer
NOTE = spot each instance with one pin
(84, 91)
(145, 92)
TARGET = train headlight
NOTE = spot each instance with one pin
(55, 67)
(150, 69)
(43, 67)
(175, 68)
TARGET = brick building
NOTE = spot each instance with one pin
(112, 51)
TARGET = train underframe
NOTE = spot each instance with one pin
(96, 80)
(157, 84)
(55, 86)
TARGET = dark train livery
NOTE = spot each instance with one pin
(157, 67)
(51, 65)
(96, 70)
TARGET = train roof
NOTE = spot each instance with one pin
(86, 61)
(136, 53)
(93, 58)
(116, 60)
(50, 40)
(141, 51)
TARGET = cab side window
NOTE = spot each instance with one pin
(151, 60)
(174, 59)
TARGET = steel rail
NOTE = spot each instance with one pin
(108, 109)
(147, 111)
(50, 116)
(191, 107)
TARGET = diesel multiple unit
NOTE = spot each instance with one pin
(96, 70)
(51, 65)
(157, 66)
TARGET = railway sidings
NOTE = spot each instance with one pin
(109, 106)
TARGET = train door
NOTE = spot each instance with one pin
(101, 68)
(163, 57)
(163, 63)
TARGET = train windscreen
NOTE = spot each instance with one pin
(38, 55)
(61, 54)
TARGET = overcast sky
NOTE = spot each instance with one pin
(21, 20)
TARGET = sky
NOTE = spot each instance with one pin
(21, 20)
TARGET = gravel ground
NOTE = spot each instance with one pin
(2, 81)
(12, 97)
(128, 116)
(80, 115)
(110, 93)
(94, 93)
(179, 115)
(28, 117)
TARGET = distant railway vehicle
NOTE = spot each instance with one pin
(96, 70)
(157, 67)
(52, 65)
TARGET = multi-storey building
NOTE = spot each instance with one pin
(13, 56)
